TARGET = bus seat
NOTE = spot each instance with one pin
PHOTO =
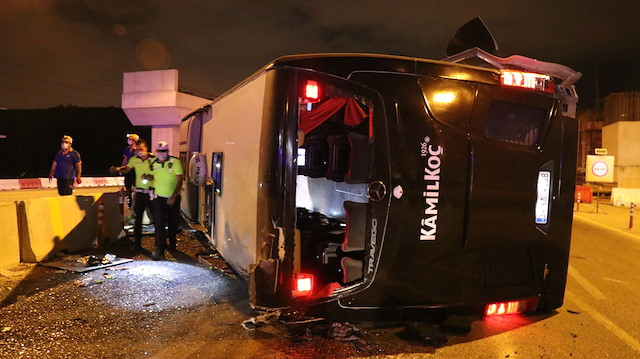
(338, 165)
(359, 159)
(356, 229)
(316, 155)
(351, 269)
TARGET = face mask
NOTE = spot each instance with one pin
(162, 156)
(142, 154)
(64, 146)
(130, 142)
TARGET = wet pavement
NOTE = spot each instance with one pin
(188, 306)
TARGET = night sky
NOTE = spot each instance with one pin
(74, 52)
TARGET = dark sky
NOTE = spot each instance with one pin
(74, 52)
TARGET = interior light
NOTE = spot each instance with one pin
(302, 285)
(526, 80)
(444, 97)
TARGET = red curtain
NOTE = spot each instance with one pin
(353, 113)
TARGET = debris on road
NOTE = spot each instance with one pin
(6, 329)
(87, 263)
(347, 332)
(261, 320)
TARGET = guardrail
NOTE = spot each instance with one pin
(43, 183)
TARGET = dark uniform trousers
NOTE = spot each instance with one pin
(164, 214)
(140, 203)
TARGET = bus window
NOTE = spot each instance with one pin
(515, 123)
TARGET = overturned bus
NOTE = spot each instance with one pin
(374, 181)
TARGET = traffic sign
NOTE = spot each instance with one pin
(600, 168)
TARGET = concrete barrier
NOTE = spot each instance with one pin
(625, 196)
(40, 183)
(9, 236)
(51, 224)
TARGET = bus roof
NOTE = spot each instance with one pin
(343, 64)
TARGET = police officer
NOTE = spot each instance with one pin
(167, 177)
(129, 177)
(140, 164)
(66, 166)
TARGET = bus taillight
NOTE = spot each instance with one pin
(302, 285)
(513, 307)
(527, 80)
(311, 91)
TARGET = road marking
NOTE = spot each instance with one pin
(623, 232)
(584, 282)
(615, 280)
(612, 327)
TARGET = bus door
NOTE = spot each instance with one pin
(190, 142)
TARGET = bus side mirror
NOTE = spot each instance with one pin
(198, 169)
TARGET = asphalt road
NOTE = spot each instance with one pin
(192, 307)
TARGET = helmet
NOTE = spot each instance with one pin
(162, 146)
(66, 138)
(133, 136)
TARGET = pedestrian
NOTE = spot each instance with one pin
(129, 177)
(140, 164)
(66, 167)
(167, 179)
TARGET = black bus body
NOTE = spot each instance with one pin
(374, 181)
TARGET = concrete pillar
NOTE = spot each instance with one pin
(151, 98)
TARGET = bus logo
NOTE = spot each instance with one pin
(428, 223)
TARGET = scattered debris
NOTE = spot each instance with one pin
(261, 320)
(86, 282)
(347, 332)
(6, 329)
(572, 311)
(149, 304)
(117, 268)
(87, 263)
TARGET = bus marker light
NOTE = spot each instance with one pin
(302, 285)
(527, 80)
(311, 90)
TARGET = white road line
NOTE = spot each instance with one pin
(612, 327)
(626, 233)
(584, 282)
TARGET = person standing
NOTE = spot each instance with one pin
(66, 167)
(167, 177)
(129, 177)
(140, 164)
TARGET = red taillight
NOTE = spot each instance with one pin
(527, 80)
(302, 285)
(513, 307)
(311, 91)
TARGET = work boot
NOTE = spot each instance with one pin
(157, 255)
(135, 247)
